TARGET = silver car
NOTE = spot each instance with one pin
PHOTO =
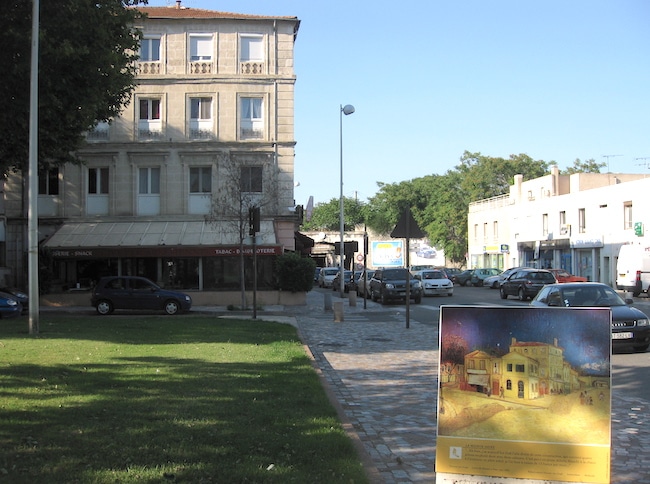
(434, 283)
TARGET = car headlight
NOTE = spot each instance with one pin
(642, 322)
(11, 302)
(416, 284)
(390, 286)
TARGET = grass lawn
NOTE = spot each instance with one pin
(188, 398)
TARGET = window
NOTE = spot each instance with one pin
(544, 224)
(200, 198)
(201, 180)
(582, 221)
(252, 48)
(97, 199)
(519, 368)
(200, 117)
(149, 109)
(495, 229)
(149, 118)
(48, 182)
(149, 191)
(200, 48)
(485, 231)
(627, 215)
(98, 181)
(251, 54)
(252, 123)
(562, 218)
(149, 182)
(251, 179)
(150, 49)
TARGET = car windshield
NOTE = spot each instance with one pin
(330, 272)
(397, 274)
(432, 275)
(584, 296)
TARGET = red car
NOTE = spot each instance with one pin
(563, 276)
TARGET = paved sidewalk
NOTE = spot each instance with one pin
(384, 377)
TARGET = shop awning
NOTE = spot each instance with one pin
(157, 237)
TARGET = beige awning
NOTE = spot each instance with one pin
(79, 235)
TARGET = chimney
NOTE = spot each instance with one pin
(178, 4)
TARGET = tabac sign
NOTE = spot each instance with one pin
(178, 251)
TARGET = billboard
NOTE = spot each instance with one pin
(525, 393)
(387, 254)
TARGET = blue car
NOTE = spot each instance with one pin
(9, 306)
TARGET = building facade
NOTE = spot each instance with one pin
(165, 190)
(575, 222)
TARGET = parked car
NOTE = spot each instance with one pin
(133, 292)
(451, 272)
(480, 274)
(434, 282)
(630, 326)
(494, 282)
(464, 278)
(563, 276)
(390, 284)
(363, 289)
(348, 283)
(420, 267)
(526, 283)
(9, 306)
(326, 276)
(18, 295)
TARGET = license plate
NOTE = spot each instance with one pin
(625, 335)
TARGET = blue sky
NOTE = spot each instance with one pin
(557, 80)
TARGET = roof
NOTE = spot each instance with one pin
(176, 12)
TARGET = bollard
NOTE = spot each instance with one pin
(352, 298)
(338, 312)
(328, 302)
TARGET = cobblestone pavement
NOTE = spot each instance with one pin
(384, 377)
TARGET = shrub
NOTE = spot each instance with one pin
(295, 273)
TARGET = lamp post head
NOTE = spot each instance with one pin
(347, 109)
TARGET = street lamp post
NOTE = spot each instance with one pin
(347, 109)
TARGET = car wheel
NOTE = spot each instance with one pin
(104, 307)
(521, 295)
(495, 285)
(640, 349)
(172, 307)
(502, 293)
(384, 299)
(468, 283)
(418, 299)
(450, 294)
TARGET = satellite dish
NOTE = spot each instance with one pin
(322, 236)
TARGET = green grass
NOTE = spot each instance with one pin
(151, 399)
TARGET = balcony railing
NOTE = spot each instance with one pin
(201, 134)
(147, 134)
(251, 67)
(201, 67)
(148, 67)
(251, 133)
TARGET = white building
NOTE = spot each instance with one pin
(576, 222)
(213, 108)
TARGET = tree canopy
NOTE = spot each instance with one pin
(439, 203)
(86, 74)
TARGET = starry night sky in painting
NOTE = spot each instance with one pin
(584, 334)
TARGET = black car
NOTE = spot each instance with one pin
(390, 284)
(525, 283)
(464, 278)
(630, 327)
(132, 292)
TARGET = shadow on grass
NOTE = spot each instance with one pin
(165, 399)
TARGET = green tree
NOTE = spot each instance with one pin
(327, 216)
(86, 73)
(587, 166)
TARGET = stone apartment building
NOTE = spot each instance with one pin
(575, 222)
(164, 191)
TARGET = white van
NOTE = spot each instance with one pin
(633, 269)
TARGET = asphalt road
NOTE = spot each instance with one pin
(630, 371)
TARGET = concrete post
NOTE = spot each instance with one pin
(338, 312)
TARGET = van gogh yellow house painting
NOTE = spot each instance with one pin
(524, 393)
